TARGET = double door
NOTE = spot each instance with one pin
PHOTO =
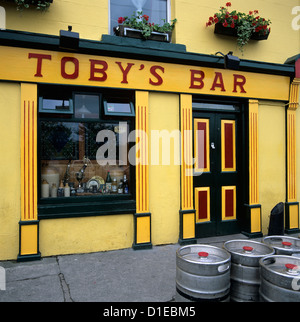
(217, 173)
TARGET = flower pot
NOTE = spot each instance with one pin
(124, 31)
(228, 31)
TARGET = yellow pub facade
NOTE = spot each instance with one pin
(110, 142)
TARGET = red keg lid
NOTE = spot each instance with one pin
(203, 254)
(248, 248)
(291, 266)
(285, 243)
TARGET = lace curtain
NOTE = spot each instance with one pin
(139, 4)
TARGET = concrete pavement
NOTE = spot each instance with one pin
(113, 276)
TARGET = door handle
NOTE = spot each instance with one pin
(213, 145)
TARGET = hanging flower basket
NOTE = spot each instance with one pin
(137, 26)
(221, 30)
(240, 25)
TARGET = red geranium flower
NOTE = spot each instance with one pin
(146, 17)
(225, 23)
(228, 4)
(232, 25)
(121, 20)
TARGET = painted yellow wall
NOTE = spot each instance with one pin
(84, 235)
(164, 180)
(90, 19)
(191, 29)
(9, 170)
(271, 132)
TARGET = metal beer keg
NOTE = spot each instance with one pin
(280, 279)
(245, 271)
(284, 245)
(202, 274)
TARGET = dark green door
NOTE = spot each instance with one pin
(217, 172)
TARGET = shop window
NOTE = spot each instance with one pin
(55, 106)
(157, 10)
(83, 154)
(87, 106)
(113, 107)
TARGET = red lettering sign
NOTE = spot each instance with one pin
(95, 70)
(98, 72)
(39, 58)
(124, 71)
(158, 77)
(239, 81)
(218, 82)
(197, 76)
(73, 60)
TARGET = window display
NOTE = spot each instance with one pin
(82, 154)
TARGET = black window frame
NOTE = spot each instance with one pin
(72, 207)
(112, 113)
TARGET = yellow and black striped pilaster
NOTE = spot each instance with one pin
(253, 226)
(292, 205)
(187, 211)
(29, 224)
(142, 217)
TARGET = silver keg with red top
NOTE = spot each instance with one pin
(245, 272)
(202, 274)
(280, 279)
(284, 245)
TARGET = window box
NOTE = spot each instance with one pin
(125, 31)
(228, 31)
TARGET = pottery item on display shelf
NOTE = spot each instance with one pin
(45, 189)
(51, 175)
(67, 190)
(117, 173)
(54, 191)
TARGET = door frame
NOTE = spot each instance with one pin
(242, 132)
